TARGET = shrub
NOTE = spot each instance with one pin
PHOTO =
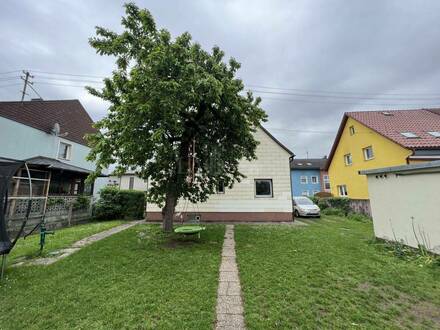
(323, 194)
(82, 202)
(359, 217)
(119, 204)
(342, 204)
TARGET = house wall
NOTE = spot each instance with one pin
(395, 200)
(240, 203)
(386, 153)
(124, 182)
(323, 174)
(308, 189)
(19, 141)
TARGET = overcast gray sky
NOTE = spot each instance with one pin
(318, 58)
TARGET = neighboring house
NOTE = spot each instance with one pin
(129, 181)
(263, 195)
(50, 136)
(375, 139)
(405, 203)
(308, 176)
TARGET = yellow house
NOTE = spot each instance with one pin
(377, 139)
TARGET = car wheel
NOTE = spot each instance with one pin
(296, 214)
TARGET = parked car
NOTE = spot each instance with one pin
(304, 207)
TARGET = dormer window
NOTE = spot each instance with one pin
(435, 134)
(409, 135)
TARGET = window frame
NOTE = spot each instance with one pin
(326, 180)
(348, 156)
(342, 188)
(352, 130)
(68, 151)
(316, 177)
(306, 181)
(263, 196)
(221, 184)
(364, 152)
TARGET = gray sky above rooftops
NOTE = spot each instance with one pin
(363, 52)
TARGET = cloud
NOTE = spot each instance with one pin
(351, 47)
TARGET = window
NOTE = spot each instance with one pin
(326, 182)
(342, 189)
(368, 153)
(347, 159)
(131, 183)
(435, 134)
(305, 193)
(64, 151)
(221, 187)
(263, 188)
(410, 135)
(352, 130)
(314, 179)
(303, 179)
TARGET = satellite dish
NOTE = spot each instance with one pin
(56, 129)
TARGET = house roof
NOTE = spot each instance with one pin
(42, 115)
(56, 164)
(277, 141)
(414, 168)
(392, 123)
(308, 163)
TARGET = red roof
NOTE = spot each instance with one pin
(70, 114)
(392, 123)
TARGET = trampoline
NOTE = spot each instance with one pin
(8, 167)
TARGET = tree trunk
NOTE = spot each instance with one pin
(168, 212)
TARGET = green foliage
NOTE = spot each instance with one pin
(358, 217)
(52, 201)
(332, 211)
(82, 202)
(119, 204)
(342, 204)
(165, 96)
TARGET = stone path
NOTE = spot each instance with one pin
(229, 302)
(78, 245)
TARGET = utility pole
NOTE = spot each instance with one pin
(26, 82)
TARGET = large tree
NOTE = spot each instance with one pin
(168, 98)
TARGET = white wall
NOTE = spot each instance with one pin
(19, 141)
(272, 163)
(395, 199)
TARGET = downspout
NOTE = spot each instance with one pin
(291, 188)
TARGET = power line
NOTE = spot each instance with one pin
(55, 84)
(8, 72)
(343, 96)
(35, 91)
(349, 103)
(9, 78)
(300, 130)
(10, 85)
(341, 92)
(70, 80)
(68, 74)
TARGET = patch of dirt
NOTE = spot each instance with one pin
(418, 311)
(177, 244)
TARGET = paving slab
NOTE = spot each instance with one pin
(229, 301)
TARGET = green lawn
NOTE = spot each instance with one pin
(136, 279)
(29, 247)
(330, 275)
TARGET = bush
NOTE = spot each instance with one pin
(342, 204)
(359, 217)
(82, 202)
(323, 194)
(119, 204)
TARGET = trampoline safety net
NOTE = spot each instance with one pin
(7, 169)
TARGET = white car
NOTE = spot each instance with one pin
(304, 207)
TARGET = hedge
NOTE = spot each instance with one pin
(119, 204)
(338, 203)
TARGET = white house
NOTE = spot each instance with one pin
(264, 195)
(405, 203)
